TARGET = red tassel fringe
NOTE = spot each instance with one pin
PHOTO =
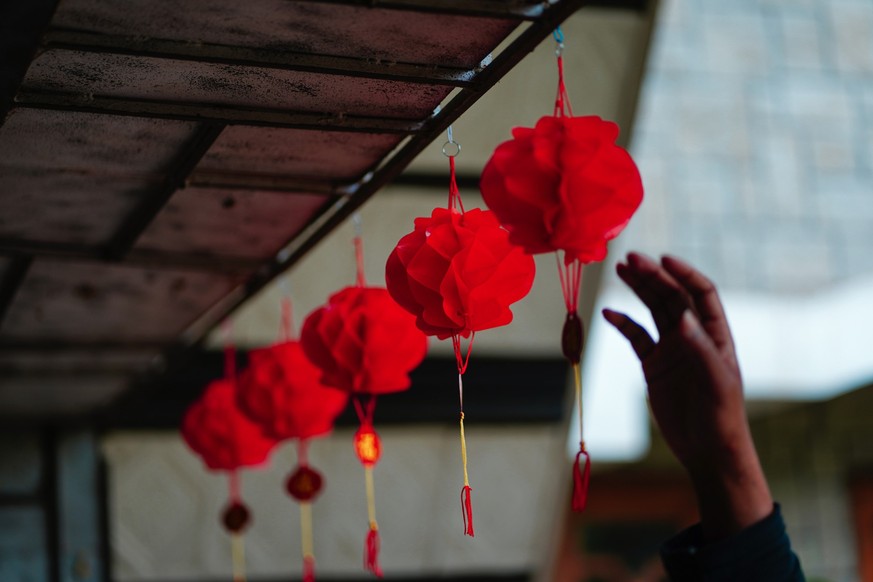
(580, 481)
(467, 510)
(308, 569)
(371, 555)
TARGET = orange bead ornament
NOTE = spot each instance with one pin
(368, 446)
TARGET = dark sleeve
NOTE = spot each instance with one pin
(760, 552)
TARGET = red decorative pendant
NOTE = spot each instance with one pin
(362, 342)
(563, 185)
(282, 392)
(304, 484)
(217, 430)
(236, 517)
(458, 273)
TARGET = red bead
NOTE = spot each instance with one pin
(304, 484)
(235, 517)
(368, 445)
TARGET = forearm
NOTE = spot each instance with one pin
(732, 492)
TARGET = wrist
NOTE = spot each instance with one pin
(732, 491)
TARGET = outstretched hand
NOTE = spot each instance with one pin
(695, 389)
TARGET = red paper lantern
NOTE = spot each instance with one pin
(226, 439)
(217, 430)
(363, 342)
(458, 273)
(563, 185)
(366, 345)
(282, 392)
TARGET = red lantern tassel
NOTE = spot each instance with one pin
(580, 479)
(371, 555)
(467, 510)
(308, 569)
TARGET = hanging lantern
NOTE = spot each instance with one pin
(366, 345)
(363, 342)
(226, 439)
(281, 391)
(458, 273)
(564, 185)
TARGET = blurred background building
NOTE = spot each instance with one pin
(752, 124)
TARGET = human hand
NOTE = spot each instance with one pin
(695, 389)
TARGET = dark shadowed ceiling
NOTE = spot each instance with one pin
(161, 161)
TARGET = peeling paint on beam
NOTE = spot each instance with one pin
(254, 57)
(136, 257)
(137, 222)
(287, 184)
(220, 114)
(510, 9)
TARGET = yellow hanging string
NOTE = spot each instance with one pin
(582, 466)
(371, 497)
(238, 554)
(464, 452)
(577, 377)
(306, 542)
(463, 436)
(466, 502)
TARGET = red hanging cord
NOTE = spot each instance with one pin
(233, 486)
(303, 452)
(455, 202)
(562, 100)
(571, 281)
(365, 412)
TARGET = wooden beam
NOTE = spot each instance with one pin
(257, 57)
(508, 9)
(202, 112)
(141, 217)
(268, 182)
(12, 278)
(135, 258)
(21, 25)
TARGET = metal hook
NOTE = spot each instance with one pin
(451, 148)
